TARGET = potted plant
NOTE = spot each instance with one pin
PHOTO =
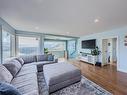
(46, 50)
(95, 52)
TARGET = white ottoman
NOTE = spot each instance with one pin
(60, 75)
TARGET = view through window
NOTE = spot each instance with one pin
(6, 45)
(28, 45)
(57, 48)
(55, 45)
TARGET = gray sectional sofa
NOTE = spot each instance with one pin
(22, 72)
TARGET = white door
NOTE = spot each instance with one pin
(104, 51)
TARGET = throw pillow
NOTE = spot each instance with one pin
(8, 89)
(5, 75)
(20, 60)
(29, 59)
(50, 57)
(13, 66)
(42, 57)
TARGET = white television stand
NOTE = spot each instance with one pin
(88, 58)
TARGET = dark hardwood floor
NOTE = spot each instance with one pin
(107, 76)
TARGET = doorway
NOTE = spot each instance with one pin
(109, 51)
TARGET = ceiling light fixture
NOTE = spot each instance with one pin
(36, 27)
(96, 20)
(67, 33)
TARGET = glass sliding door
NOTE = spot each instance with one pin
(28, 45)
(6, 45)
(57, 48)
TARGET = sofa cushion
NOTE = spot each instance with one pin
(8, 89)
(15, 58)
(29, 59)
(32, 92)
(13, 66)
(26, 67)
(5, 75)
(29, 89)
(40, 64)
(22, 79)
(42, 57)
(27, 70)
(32, 81)
(27, 84)
(50, 57)
(20, 60)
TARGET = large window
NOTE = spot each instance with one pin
(6, 45)
(57, 48)
(55, 45)
(28, 45)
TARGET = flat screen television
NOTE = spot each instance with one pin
(89, 44)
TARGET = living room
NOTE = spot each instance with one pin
(63, 47)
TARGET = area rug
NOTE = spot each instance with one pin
(85, 87)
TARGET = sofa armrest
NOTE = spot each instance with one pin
(56, 60)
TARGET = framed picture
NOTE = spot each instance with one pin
(125, 41)
(125, 44)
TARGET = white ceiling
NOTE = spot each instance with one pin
(64, 17)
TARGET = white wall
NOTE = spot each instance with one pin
(122, 50)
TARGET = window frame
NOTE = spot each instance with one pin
(23, 35)
(0, 43)
(12, 42)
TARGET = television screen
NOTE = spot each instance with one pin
(89, 44)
